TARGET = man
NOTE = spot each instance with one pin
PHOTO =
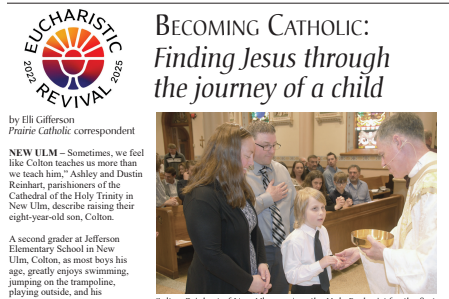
(428, 137)
(358, 189)
(162, 199)
(319, 167)
(170, 182)
(173, 158)
(410, 264)
(275, 196)
(330, 171)
(312, 163)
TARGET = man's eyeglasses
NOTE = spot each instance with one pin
(267, 148)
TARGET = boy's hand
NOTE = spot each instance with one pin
(340, 203)
(328, 260)
(350, 256)
(349, 202)
(340, 263)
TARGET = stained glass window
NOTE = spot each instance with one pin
(366, 126)
(263, 116)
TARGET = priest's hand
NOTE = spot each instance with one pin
(350, 255)
(376, 252)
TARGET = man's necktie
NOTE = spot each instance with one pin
(324, 278)
(278, 228)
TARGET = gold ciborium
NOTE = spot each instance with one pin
(358, 237)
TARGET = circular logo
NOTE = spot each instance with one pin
(73, 58)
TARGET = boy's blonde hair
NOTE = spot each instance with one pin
(340, 177)
(301, 202)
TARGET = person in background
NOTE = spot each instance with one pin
(428, 138)
(339, 193)
(306, 252)
(356, 188)
(298, 174)
(162, 199)
(221, 221)
(315, 180)
(181, 170)
(173, 158)
(183, 182)
(319, 167)
(330, 171)
(312, 163)
(304, 162)
(170, 182)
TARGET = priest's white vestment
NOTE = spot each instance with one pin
(410, 265)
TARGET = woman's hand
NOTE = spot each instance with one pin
(258, 285)
(265, 275)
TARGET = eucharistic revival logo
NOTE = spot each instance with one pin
(75, 58)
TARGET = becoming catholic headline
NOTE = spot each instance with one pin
(277, 25)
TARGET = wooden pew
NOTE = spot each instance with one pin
(171, 225)
(374, 182)
(377, 182)
(379, 214)
(385, 180)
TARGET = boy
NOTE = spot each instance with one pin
(306, 253)
(340, 198)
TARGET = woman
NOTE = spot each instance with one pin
(181, 170)
(315, 180)
(298, 175)
(189, 167)
(221, 221)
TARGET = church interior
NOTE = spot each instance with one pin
(350, 135)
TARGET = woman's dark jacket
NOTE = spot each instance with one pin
(220, 238)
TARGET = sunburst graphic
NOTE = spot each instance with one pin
(77, 58)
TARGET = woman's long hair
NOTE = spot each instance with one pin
(222, 160)
(303, 175)
(315, 174)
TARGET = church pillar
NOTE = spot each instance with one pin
(306, 127)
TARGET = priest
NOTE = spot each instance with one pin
(409, 266)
